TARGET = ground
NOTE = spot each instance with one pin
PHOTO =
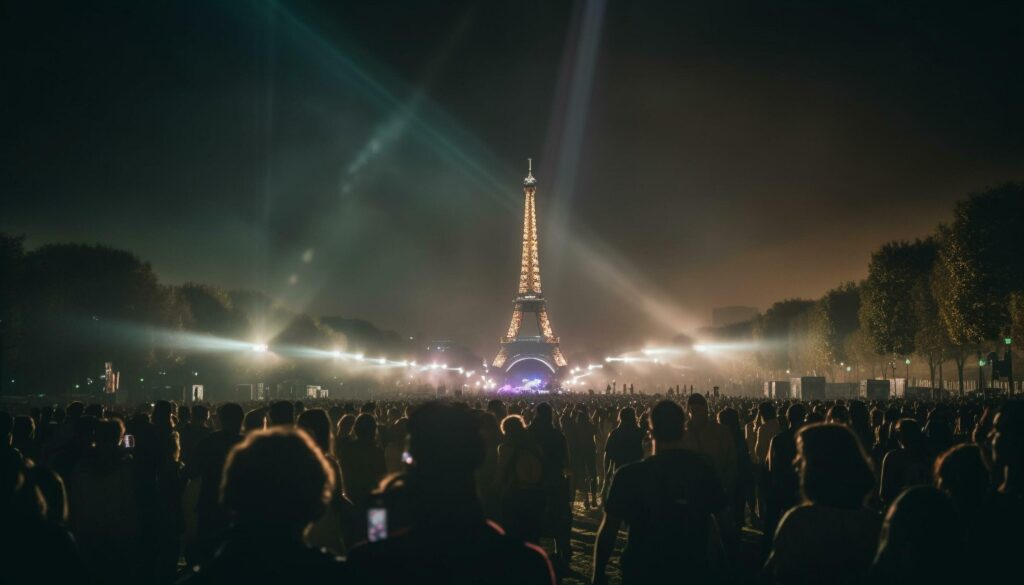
(584, 531)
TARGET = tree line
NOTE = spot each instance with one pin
(66, 309)
(951, 297)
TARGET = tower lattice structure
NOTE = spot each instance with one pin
(529, 300)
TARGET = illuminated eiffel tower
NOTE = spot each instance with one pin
(517, 346)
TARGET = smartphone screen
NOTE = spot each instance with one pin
(128, 441)
(377, 524)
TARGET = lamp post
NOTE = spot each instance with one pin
(1008, 341)
(907, 361)
(981, 373)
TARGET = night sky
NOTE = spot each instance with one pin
(365, 159)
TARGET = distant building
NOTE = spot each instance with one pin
(722, 316)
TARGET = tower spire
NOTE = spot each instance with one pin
(516, 345)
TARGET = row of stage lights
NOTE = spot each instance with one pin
(483, 382)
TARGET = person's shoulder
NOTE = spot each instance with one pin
(799, 513)
(634, 468)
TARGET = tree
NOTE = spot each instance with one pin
(887, 308)
(980, 266)
(772, 333)
(932, 340)
(79, 300)
(861, 350)
(835, 319)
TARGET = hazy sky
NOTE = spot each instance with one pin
(365, 158)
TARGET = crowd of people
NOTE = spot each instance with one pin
(483, 490)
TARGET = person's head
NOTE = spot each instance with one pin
(108, 433)
(345, 424)
(1008, 436)
(920, 537)
(334, 412)
(365, 427)
(766, 411)
(200, 414)
(877, 415)
(859, 418)
(23, 429)
(255, 420)
(796, 415)
(75, 410)
(444, 441)
(543, 414)
(668, 422)
(838, 415)
(698, 407)
(834, 471)
(162, 412)
(962, 473)
(281, 413)
(513, 426)
(908, 432)
(276, 481)
(230, 416)
(316, 422)
(730, 418)
(94, 410)
(627, 417)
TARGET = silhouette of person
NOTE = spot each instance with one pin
(104, 506)
(963, 474)
(207, 465)
(281, 413)
(362, 460)
(909, 465)
(335, 529)
(667, 501)
(558, 497)
(920, 541)
(625, 443)
(276, 484)
(783, 484)
(1003, 514)
(832, 536)
(520, 481)
(32, 548)
(438, 533)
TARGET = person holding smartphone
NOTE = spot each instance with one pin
(441, 534)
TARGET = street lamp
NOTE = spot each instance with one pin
(907, 361)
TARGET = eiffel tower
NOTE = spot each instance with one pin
(516, 346)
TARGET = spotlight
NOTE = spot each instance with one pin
(700, 348)
(359, 357)
(259, 347)
(336, 354)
